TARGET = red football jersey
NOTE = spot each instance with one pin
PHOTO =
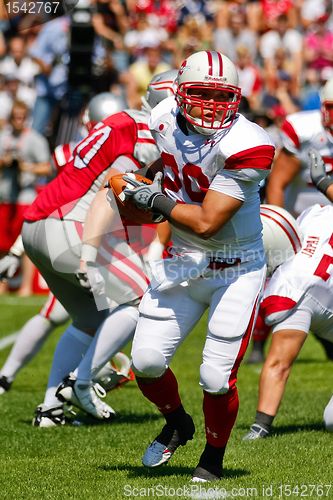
(70, 193)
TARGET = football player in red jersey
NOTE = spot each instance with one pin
(52, 314)
(213, 160)
(52, 234)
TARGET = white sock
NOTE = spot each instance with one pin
(110, 338)
(328, 416)
(28, 343)
(71, 348)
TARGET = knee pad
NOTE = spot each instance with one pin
(328, 416)
(213, 380)
(148, 363)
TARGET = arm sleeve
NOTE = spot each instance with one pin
(224, 182)
(252, 164)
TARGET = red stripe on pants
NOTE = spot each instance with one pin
(220, 410)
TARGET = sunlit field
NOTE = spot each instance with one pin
(104, 461)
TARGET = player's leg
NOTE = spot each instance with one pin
(231, 320)
(31, 338)
(287, 341)
(113, 334)
(165, 320)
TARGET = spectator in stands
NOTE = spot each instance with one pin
(110, 22)
(279, 96)
(318, 45)
(193, 35)
(310, 97)
(159, 13)
(228, 39)
(12, 90)
(141, 72)
(143, 35)
(282, 37)
(50, 52)
(272, 10)
(311, 10)
(250, 79)
(19, 63)
(24, 160)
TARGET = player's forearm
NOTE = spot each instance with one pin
(275, 195)
(329, 193)
(98, 223)
(198, 220)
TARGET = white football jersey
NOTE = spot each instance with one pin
(301, 132)
(309, 272)
(232, 161)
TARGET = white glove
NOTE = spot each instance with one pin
(92, 279)
(8, 266)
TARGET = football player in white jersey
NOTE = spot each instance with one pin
(213, 160)
(298, 298)
(290, 184)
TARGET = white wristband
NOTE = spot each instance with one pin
(17, 247)
(88, 252)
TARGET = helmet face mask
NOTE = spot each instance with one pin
(327, 106)
(208, 95)
(210, 106)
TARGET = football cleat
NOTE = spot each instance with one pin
(85, 397)
(202, 475)
(166, 443)
(4, 384)
(116, 373)
(256, 432)
(49, 417)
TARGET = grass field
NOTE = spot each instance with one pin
(104, 461)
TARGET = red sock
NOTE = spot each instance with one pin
(220, 412)
(163, 392)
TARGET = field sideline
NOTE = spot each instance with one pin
(104, 462)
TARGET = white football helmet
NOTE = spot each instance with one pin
(100, 107)
(200, 73)
(160, 87)
(326, 97)
(281, 235)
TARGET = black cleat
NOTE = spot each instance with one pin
(202, 475)
(4, 384)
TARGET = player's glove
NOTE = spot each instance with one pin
(318, 172)
(149, 196)
(8, 266)
(91, 279)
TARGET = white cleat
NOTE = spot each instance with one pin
(86, 398)
(49, 417)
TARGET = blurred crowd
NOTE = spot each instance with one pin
(283, 50)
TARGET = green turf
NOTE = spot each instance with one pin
(104, 462)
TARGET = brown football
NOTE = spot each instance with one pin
(127, 208)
